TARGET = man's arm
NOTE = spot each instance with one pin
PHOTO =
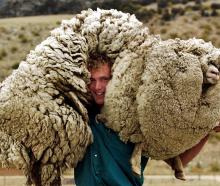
(188, 155)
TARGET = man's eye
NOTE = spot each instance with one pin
(106, 79)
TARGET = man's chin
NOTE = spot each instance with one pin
(99, 102)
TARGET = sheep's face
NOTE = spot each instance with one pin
(99, 79)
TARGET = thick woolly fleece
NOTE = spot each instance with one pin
(161, 99)
(43, 117)
(155, 96)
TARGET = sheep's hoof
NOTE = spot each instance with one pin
(136, 159)
(135, 165)
(136, 170)
(180, 175)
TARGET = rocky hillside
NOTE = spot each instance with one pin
(14, 8)
(144, 9)
(171, 19)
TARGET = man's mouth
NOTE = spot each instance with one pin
(100, 93)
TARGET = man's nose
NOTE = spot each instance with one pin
(98, 85)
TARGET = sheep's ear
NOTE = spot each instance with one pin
(204, 64)
(216, 62)
(196, 51)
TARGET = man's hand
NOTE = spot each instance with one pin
(217, 128)
(189, 154)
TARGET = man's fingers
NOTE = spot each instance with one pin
(217, 128)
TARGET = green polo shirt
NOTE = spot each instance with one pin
(107, 160)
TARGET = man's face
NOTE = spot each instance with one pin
(99, 79)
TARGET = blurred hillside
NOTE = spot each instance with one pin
(169, 18)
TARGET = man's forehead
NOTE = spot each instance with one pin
(102, 71)
(100, 67)
(96, 61)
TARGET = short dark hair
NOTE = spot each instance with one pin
(96, 60)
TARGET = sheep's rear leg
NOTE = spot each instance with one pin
(136, 159)
(45, 175)
(177, 166)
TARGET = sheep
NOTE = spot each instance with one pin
(43, 115)
(42, 110)
(169, 106)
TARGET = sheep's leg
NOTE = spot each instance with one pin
(136, 159)
(101, 118)
(56, 181)
(177, 166)
(50, 175)
(46, 175)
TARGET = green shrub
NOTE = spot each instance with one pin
(162, 3)
(196, 7)
(3, 30)
(195, 17)
(177, 11)
(173, 35)
(58, 23)
(215, 167)
(205, 36)
(23, 38)
(163, 31)
(15, 66)
(214, 12)
(215, 6)
(145, 14)
(216, 24)
(216, 136)
(35, 33)
(14, 49)
(3, 54)
(23, 28)
(167, 15)
(205, 13)
(206, 28)
(197, 168)
(187, 35)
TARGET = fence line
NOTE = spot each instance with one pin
(69, 180)
(189, 177)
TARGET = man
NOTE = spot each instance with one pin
(107, 160)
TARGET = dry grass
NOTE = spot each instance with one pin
(20, 181)
(180, 183)
(20, 35)
(188, 26)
